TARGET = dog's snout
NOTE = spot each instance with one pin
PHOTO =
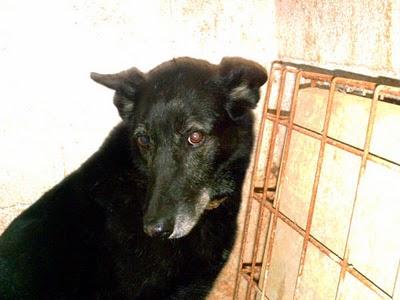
(158, 228)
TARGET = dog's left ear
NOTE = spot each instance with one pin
(127, 85)
(241, 80)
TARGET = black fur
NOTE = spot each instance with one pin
(85, 239)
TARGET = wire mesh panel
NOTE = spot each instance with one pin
(323, 217)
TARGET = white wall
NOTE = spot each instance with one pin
(52, 116)
(361, 36)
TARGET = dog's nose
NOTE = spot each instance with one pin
(159, 228)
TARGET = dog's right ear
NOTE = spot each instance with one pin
(241, 79)
(127, 85)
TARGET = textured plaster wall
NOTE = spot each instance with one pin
(360, 36)
(52, 116)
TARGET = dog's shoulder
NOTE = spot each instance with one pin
(64, 230)
(75, 196)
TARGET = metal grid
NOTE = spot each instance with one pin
(255, 272)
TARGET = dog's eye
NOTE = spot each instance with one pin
(143, 140)
(196, 138)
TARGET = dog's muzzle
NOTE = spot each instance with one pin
(184, 221)
(159, 228)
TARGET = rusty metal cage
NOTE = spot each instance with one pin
(305, 123)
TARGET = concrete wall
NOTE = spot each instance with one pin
(52, 115)
(360, 36)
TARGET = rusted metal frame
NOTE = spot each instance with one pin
(365, 157)
(348, 82)
(351, 149)
(271, 150)
(345, 266)
(246, 267)
(313, 76)
(390, 90)
(368, 283)
(324, 136)
(283, 120)
(322, 248)
(301, 231)
(274, 218)
(357, 152)
(254, 171)
(355, 83)
(254, 285)
(346, 147)
(396, 290)
(371, 121)
(274, 68)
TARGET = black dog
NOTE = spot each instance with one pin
(152, 214)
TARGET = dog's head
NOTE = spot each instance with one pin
(191, 123)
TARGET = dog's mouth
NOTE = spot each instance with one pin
(179, 223)
(185, 222)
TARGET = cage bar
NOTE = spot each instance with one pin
(256, 273)
(274, 68)
(268, 169)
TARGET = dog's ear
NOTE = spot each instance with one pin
(241, 80)
(127, 85)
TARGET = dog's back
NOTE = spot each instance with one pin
(152, 214)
